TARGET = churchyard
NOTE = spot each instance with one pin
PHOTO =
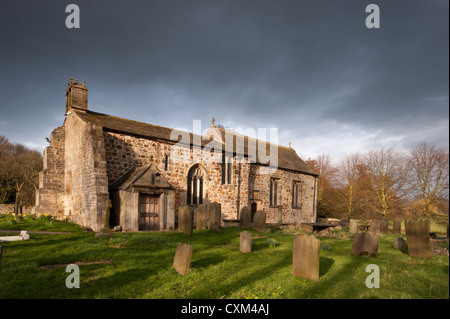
(141, 264)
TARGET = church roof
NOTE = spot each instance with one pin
(287, 157)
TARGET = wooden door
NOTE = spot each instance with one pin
(148, 212)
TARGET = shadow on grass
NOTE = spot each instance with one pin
(207, 261)
(325, 265)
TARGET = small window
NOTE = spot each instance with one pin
(296, 194)
(274, 192)
(227, 169)
(166, 162)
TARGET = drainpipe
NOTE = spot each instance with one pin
(314, 200)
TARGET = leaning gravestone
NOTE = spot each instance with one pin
(353, 226)
(202, 217)
(185, 220)
(182, 260)
(397, 226)
(384, 226)
(214, 216)
(365, 244)
(375, 226)
(399, 243)
(245, 243)
(245, 218)
(418, 239)
(306, 257)
(259, 221)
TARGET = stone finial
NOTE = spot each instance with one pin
(76, 81)
(212, 122)
(290, 145)
(84, 83)
(71, 81)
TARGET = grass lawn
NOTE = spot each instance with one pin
(139, 265)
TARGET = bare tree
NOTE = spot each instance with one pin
(429, 166)
(388, 178)
(348, 177)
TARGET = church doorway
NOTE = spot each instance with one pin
(149, 212)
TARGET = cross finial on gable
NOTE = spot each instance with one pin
(212, 121)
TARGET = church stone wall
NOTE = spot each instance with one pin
(290, 215)
(86, 183)
(125, 151)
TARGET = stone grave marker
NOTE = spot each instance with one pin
(306, 257)
(105, 231)
(365, 244)
(185, 220)
(384, 226)
(399, 243)
(375, 226)
(182, 260)
(353, 226)
(418, 239)
(259, 221)
(245, 217)
(245, 243)
(214, 216)
(202, 217)
(397, 226)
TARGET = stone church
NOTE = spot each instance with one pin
(148, 172)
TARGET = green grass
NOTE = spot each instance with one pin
(141, 267)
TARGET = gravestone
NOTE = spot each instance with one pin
(353, 226)
(384, 226)
(397, 226)
(202, 217)
(375, 226)
(259, 221)
(185, 220)
(399, 243)
(245, 243)
(365, 244)
(245, 218)
(418, 239)
(105, 231)
(306, 257)
(214, 216)
(182, 260)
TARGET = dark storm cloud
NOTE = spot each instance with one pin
(310, 68)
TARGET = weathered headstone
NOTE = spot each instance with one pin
(105, 231)
(245, 218)
(353, 226)
(397, 226)
(418, 239)
(202, 217)
(384, 226)
(182, 260)
(365, 244)
(214, 216)
(185, 220)
(399, 243)
(306, 257)
(245, 243)
(375, 226)
(259, 221)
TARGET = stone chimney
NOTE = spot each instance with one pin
(76, 95)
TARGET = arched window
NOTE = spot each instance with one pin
(196, 177)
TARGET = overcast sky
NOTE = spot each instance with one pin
(312, 69)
